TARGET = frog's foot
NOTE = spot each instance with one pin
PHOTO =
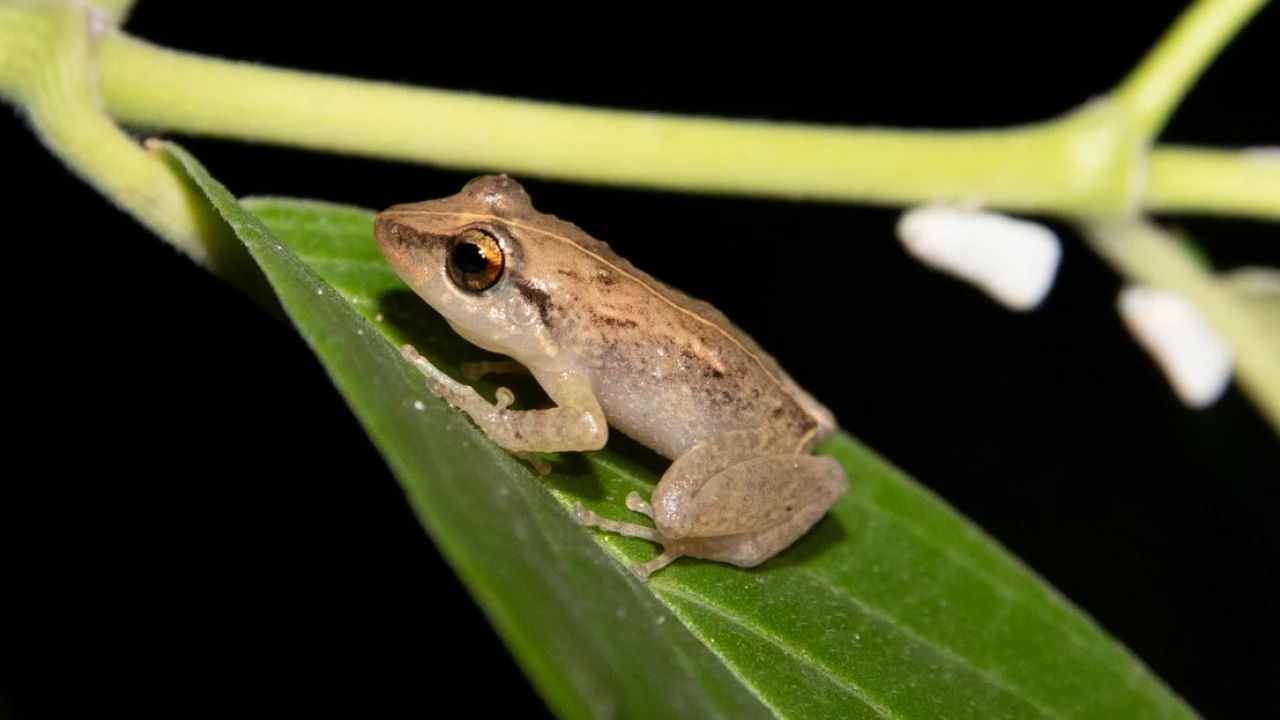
(635, 503)
(644, 571)
(670, 548)
(503, 398)
(441, 385)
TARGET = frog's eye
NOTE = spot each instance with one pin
(475, 260)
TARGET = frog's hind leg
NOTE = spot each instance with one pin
(689, 472)
(822, 481)
(593, 519)
(635, 503)
(670, 550)
(743, 496)
(740, 498)
(752, 510)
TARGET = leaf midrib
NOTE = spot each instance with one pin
(1010, 597)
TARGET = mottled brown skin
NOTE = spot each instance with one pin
(612, 345)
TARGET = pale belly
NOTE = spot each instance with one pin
(669, 414)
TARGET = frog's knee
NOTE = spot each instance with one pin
(669, 508)
(831, 477)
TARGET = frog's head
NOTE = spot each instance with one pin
(461, 255)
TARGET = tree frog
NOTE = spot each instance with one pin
(613, 346)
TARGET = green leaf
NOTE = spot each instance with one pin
(893, 606)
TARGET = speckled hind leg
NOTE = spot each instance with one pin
(740, 498)
(670, 549)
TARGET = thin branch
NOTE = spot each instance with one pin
(1155, 87)
(1148, 255)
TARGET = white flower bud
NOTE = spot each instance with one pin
(1195, 360)
(1014, 261)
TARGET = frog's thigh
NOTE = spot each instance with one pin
(689, 472)
(708, 457)
(745, 481)
(824, 481)
(754, 496)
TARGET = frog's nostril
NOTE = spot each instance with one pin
(384, 228)
(392, 236)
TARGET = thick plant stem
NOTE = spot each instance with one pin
(1075, 166)
(1228, 184)
(1087, 164)
(47, 65)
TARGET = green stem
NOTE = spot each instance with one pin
(1242, 183)
(1067, 167)
(46, 64)
(164, 89)
(1155, 87)
(118, 10)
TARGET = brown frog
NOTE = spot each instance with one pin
(613, 346)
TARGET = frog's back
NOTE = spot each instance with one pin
(708, 316)
(669, 369)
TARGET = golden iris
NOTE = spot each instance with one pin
(475, 260)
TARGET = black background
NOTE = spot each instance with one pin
(199, 522)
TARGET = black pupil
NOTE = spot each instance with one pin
(470, 258)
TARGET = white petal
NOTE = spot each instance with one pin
(1014, 261)
(1195, 360)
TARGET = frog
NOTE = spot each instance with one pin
(613, 347)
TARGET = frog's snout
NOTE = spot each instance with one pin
(388, 231)
(399, 242)
(410, 253)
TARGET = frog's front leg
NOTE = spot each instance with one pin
(576, 423)
(740, 497)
